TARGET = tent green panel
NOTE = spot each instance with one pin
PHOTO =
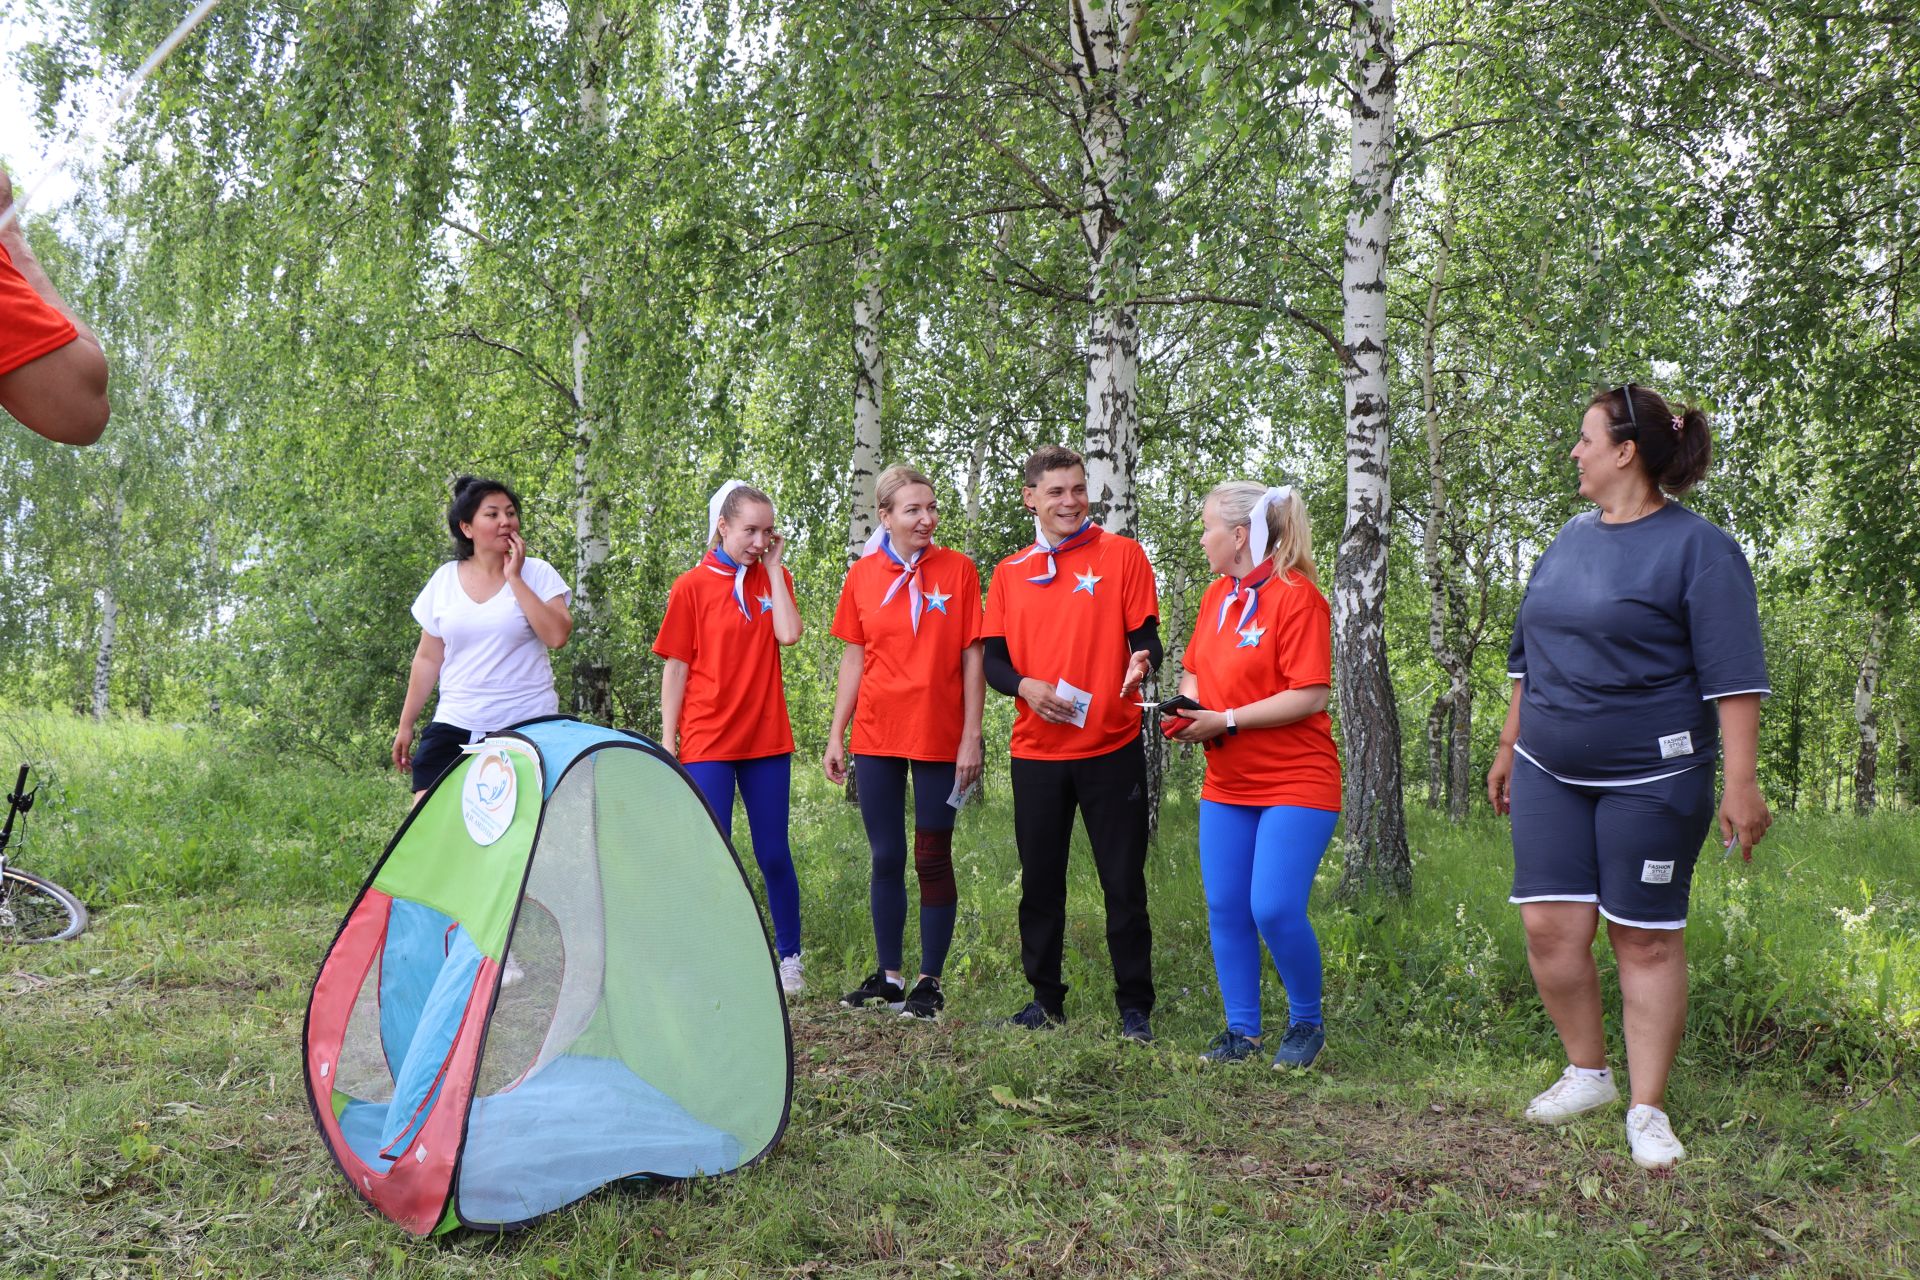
(688, 1004)
(439, 864)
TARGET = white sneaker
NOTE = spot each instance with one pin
(1572, 1095)
(793, 974)
(1650, 1136)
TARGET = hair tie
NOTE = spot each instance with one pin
(1678, 422)
(716, 502)
(1257, 520)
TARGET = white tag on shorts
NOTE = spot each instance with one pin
(1676, 744)
(1656, 873)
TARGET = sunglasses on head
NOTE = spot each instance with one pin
(1633, 419)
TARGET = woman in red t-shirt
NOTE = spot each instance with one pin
(723, 708)
(912, 683)
(1260, 663)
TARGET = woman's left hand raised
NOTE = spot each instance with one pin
(516, 556)
(776, 547)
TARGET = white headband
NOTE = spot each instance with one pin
(1257, 520)
(716, 502)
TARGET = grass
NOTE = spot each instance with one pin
(153, 1123)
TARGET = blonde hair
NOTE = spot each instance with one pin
(738, 497)
(892, 481)
(1289, 535)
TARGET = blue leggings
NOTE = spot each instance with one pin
(883, 808)
(1257, 865)
(764, 786)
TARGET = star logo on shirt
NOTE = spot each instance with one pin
(1250, 638)
(1085, 582)
(937, 599)
(766, 603)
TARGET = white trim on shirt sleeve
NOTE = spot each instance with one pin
(1733, 693)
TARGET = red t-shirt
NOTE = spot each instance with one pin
(736, 704)
(911, 703)
(29, 326)
(1074, 629)
(1286, 643)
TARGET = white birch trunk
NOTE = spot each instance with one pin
(592, 677)
(1376, 834)
(1866, 716)
(109, 613)
(1103, 38)
(103, 652)
(869, 377)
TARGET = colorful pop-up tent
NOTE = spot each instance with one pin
(555, 978)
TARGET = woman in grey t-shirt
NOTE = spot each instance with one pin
(1638, 619)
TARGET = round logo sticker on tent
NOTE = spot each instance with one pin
(487, 795)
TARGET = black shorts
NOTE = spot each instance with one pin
(1628, 849)
(438, 750)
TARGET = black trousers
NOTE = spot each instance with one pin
(1111, 793)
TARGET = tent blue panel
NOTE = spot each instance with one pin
(410, 961)
(416, 1083)
(561, 742)
(578, 1124)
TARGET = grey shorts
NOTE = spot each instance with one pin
(1630, 850)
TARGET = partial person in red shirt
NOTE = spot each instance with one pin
(910, 683)
(1072, 628)
(1258, 671)
(723, 707)
(53, 373)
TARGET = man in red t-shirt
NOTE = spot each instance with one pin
(53, 374)
(1072, 627)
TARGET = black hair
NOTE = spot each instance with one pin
(468, 493)
(1673, 448)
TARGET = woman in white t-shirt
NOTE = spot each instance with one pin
(487, 619)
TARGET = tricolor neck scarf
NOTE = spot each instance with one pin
(906, 574)
(1087, 534)
(718, 561)
(1249, 587)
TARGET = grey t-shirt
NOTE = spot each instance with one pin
(1626, 634)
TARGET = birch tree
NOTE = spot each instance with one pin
(1376, 837)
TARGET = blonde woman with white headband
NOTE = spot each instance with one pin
(1257, 674)
(723, 706)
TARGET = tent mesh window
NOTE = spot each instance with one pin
(364, 1073)
(630, 1033)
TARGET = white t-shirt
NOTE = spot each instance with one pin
(496, 670)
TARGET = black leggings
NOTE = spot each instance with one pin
(883, 808)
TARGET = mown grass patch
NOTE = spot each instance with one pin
(152, 1120)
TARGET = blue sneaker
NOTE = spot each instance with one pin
(1230, 1046)
(1136, 1026)
(1303, 1044)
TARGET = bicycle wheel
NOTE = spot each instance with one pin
(36, 910)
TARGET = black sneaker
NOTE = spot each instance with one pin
(878, 988)
(1136, 1026)
(925, 1000)
(1034, 1017)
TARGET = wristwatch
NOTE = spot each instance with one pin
(1232, 728)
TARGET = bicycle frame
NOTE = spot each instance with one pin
(19, 800)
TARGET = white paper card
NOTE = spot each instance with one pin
(1676, 744)
(960, 794)
(1080, 699)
